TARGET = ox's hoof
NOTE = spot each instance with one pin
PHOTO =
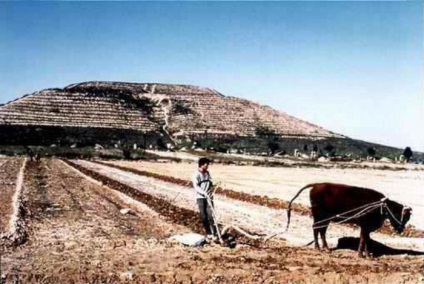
(327, 249)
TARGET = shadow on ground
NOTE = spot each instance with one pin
(376, 248)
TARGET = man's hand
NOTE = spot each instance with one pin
(210, 192)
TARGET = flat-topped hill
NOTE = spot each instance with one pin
(177, 109)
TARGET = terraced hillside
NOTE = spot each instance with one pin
(173, 110)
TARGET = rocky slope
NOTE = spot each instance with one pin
(174, 110)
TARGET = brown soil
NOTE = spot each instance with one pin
(274, 203)
(255, 199)
(76, 229)
(8, 172)
(77, 235)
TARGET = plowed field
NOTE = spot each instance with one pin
(77, 234)
(9, 169)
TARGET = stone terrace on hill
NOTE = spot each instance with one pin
(178, 109)
(81, 109)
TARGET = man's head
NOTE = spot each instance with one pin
(203, 164)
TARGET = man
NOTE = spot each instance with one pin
(202, 184)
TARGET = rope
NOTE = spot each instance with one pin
(393, 216)
(227, 227)
(210, 193)
(361, 211)
(357, 215)
(275, 234)
(241, 231)
(353, 210)
(368, 208)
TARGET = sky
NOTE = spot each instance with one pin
(353, 67)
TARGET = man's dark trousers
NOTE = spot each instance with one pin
(206, 215)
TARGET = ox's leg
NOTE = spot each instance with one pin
(367, 241)
(316, 238)
(319, 226)
(322, 233)
(361, 243)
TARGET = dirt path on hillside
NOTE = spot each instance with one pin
(9, 169)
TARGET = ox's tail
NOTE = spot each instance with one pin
(291, 201)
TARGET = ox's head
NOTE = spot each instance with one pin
(398, 215)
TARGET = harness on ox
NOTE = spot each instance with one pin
(329, 199)
(362, 211)
(358, 212)
(339, 218)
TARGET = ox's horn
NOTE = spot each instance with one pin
(407, 208)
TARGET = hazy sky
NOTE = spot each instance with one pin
(355, 68)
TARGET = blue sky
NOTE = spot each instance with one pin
(355, 68)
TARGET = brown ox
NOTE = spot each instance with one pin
(364, 207)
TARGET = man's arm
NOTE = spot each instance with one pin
(210, 181)
(210, 186)
(197, 187)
